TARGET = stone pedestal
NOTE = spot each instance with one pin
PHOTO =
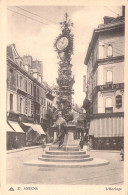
(69, 136)
(69, 143)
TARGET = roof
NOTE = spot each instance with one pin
(14, 64)
(12, 52)
(116, 23)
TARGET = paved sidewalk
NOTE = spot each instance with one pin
(76, 141)
(19, 173)
(22, 149)
(25, 148)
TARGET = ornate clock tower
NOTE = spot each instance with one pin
(64, 48)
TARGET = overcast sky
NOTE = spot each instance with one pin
(37, 39)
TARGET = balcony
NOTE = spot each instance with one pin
(21, 92)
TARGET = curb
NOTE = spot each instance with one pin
(108, 151)
(22, 149)
(25, 148)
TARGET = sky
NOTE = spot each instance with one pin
(37, 38)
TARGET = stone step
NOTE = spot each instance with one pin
(66, 160)
(94, 163)
(66, 156)
(59, 152)
(64, 148)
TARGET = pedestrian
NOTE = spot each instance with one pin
(122, 152)
(16, 143)
(43, 144)
(81, 143)
(88, 146)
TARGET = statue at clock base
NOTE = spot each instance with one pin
(64, 133)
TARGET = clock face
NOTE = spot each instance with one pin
(62, 43)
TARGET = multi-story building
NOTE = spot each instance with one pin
(26, 94)
(26, 91)
(104, 102)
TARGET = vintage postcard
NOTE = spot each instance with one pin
(63, 97)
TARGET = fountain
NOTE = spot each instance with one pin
(64, 152)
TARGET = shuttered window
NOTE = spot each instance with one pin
(118, 101)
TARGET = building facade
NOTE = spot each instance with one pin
(104, 102)
(26, 94)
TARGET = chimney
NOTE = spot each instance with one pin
(108, 19)
(123, 11)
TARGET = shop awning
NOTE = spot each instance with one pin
(9, 129)
(35, 127)
(15, 126)
(107, 127)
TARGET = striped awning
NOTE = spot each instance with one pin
(107, 127)
(9, 128)
(35, 127)
(15, 126)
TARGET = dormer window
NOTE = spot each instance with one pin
(26, 67)
(109, 50)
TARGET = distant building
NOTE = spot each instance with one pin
(50, 108)
(104, 102)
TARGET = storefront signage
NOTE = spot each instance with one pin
(111, 87)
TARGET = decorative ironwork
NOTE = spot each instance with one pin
(64, 47)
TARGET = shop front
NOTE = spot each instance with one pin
(107, 133)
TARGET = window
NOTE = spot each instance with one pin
(37, 94)
(17, 80)
(31, 89)
(32, 109)
(21, 102)
(26, 84)
(26, 106)
(101, 51)
(109, 76)
(109, 51)
(108, 105)
(118, 101)
(11, 102)
(21, 82)
(34, 90)
(29, 107)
